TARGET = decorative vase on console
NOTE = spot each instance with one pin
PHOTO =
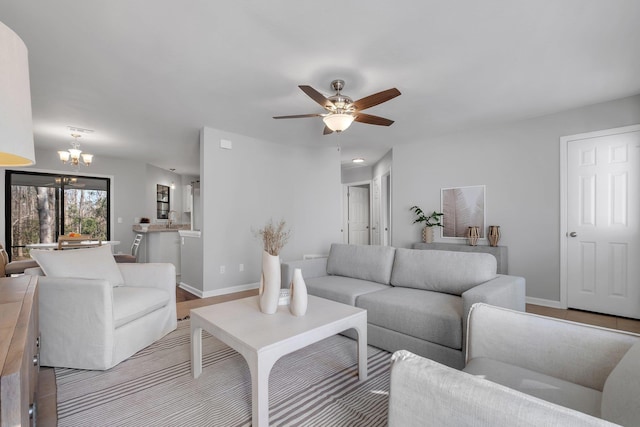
(427, 235)
(473, 234)
(298, 292)
(494, 235)
(274, 238)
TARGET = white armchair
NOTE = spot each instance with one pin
(87, 323)
(522, 370)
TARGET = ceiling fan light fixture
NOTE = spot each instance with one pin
(338, 122)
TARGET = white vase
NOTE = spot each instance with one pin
(298, 291)
(269, 283)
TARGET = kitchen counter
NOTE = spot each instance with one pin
(160, 228)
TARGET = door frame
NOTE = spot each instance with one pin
(564, 208)
(345, 208)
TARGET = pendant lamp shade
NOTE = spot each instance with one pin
(338, 122)
(16, 126)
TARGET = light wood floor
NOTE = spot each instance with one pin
(185, 301)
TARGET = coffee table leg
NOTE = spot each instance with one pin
(196, 350)
(260, 368)
(362, 352)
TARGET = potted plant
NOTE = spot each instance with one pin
(144, 223)
(274, 237)
(433, 220)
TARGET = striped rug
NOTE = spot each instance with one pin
(315, 386)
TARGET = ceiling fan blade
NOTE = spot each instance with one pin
(317, 96)
(372, 120)
(376, 98)
(298, 116)
(327, 131)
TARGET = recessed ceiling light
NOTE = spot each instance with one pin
(358, 160)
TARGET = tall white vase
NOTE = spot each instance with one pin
(269, 283)
(298, 291)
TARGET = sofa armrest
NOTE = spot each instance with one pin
(503, 291)
(423, 392)
(75, 314)
(315, 267)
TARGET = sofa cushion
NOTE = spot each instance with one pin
(431, 316)
(545, 387)
(361, 262)
(621, 390)
(86, 263)
(441, 271)
(131, 303)
(341, 289)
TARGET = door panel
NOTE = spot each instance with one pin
(603, 220)
(358, 215)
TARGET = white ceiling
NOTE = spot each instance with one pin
(146, 75)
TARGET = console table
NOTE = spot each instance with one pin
(19, 350)
(500, 252)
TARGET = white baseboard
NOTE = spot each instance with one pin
(545, 302)
(231, 289)
(190, 289)
(216, 292)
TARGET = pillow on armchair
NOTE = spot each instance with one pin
(87, 263)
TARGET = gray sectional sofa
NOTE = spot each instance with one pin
(416, 300)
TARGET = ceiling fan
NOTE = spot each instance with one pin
(342, 110)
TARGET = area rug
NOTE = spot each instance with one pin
(315, 386)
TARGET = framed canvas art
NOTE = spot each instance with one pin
(462, 207)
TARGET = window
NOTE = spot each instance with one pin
(162, 201)
(41, 206)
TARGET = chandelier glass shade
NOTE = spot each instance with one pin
(74, 154)
(338, 122)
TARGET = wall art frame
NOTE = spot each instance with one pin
(463, 207)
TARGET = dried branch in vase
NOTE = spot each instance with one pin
(274, 237)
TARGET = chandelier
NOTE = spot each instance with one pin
(73, 154)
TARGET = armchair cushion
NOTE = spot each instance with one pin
(440, 271)
(86, 263)
(621, 390)
(551, 389)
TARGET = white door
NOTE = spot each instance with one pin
(358, 215)
(603, 221)
(375, 212)
(385, 212)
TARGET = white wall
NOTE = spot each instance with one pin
(519, 164)
(155, 176)
(242, 188)
(356, 174)
(383, 165)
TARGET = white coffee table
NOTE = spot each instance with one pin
(263, 338)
